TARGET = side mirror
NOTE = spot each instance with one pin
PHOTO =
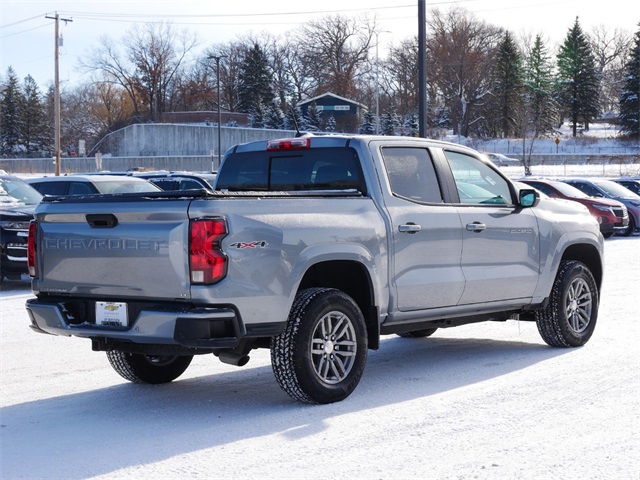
(528, 197)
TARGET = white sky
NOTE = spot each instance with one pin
(27, 38)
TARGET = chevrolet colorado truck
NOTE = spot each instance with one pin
(313, 247)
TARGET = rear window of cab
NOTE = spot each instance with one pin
(330, 168)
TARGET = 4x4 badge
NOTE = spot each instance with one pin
(260, 244)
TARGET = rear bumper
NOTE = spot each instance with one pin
(194, 327)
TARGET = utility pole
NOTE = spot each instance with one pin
(56, 96)
(217, 59)
(422, 69)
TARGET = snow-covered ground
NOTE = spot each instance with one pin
(484, 401)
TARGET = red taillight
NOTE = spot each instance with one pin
(289, 143)
(207, 262)
(31, 249)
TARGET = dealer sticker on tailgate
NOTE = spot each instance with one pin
(112, 314)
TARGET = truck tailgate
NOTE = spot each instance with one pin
(121, 249)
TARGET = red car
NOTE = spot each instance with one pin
(611, 214)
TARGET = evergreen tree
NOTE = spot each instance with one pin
(254, 80)
(313, 119)
(331, 124)
(411, 125)
(292, 116)
(257, 116)
(578, 78)
(274, 118)
(389, 122)
(32, 117)
(630, 96)
(368, 125)
(542, 107)
(10, 100)
(508, 84)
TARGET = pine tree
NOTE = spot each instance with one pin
(10, 100)
(292, 116)
(389, 122)
(578, 78)
(411, 125)
(257, 116)
(508, 85)
(254, 80)
(331, 124)
(630, 96)
(368, 125)
(274, 118)
(32, 115)
(542, 107)
(313, 119)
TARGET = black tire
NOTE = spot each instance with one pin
(153, 369)
(569, 318)
(631, 228)
(427, 332)
(321, 355)
(608, 234)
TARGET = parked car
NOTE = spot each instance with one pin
(598, 187)
(179, 180)
(630, 183)
(502, 160)
(611, 214)
(88, 184)
(17, 203)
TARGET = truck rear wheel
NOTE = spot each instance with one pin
(321, 355)
(153, 369)
(569, 318)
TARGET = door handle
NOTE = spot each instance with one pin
(476, 227)
(409, 228)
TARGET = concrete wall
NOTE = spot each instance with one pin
(166, 139)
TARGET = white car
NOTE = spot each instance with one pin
(502, 160)
(88, 184)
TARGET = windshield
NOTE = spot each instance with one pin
(569, 190)
(125, 186)
(15, 191)
(614, 189)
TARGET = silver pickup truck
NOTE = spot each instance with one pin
(314, 247)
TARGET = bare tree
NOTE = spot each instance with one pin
(610, 49)
(401, 75)
(153, 55)
(231, 58)
(338, 53)
(461, 50)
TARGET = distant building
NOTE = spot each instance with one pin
(347, 113)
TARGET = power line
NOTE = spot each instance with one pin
(24, 31)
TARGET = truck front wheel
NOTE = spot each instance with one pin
(321, 355)
(154, 369)
(569, 318)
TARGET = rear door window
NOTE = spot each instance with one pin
(412, 174)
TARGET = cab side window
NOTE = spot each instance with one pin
(411, 174)
(477, 183)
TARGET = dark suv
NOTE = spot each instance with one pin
(17, 203)
(179, 180)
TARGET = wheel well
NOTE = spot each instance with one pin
(353, 279)
(588, 255)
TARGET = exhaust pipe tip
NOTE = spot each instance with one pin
(233, 358)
